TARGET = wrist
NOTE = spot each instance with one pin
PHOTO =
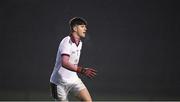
(81, 70)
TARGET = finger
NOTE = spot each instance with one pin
(93, 70)
(90, 77)
(92, 74)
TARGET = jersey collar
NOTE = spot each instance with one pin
(73, 40)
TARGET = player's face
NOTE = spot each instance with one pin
(81, 30)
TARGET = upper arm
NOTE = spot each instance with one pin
(65, 47)
(66, 64)
(65, 58)
(65, 50)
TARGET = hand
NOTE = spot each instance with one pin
(89, 72)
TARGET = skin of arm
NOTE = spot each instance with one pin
(89, 72)
(66, 64)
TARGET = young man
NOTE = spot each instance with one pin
(64, 77)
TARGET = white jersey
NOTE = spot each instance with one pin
(61, 74)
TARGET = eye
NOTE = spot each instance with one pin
(82, 26)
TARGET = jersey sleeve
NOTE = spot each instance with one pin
(65, 47)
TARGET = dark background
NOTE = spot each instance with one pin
(133, 44)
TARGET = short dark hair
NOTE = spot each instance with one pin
(77, 21)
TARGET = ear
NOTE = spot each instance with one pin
(75, 28)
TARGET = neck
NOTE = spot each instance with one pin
(75, 38)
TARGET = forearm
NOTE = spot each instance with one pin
(69, 66)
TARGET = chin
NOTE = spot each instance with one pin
(83, 36)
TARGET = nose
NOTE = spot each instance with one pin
(85, 28)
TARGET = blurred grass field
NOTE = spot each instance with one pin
(45, 96)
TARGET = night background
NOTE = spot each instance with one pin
(133, 44)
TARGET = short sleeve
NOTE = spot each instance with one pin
(65, 47)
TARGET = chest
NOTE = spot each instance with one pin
(75, 51)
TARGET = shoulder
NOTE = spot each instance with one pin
(66, 40)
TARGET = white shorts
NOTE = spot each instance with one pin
(60, 92)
